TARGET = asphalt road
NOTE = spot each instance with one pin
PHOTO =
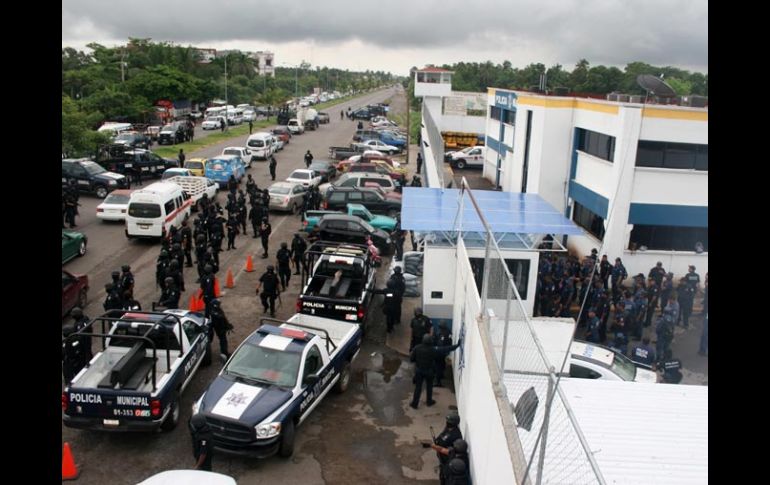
(367, 435)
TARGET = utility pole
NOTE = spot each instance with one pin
(122, 66)
(408, 130)
(227, 121)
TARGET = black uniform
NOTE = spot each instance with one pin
(85, 339)
(298, 248)
(113, 301)
(169, 299)
(446, 439)
(420, 325)
(399, 289)
(419, 163)
(207, 287)
(443, 339)
(220, 325)
(424, 356)
(273, 164)
(255, 218)
(202, 441)
(72, 354)
(187, 236)
(284, 266)
(269, 283)
(232, 231)
(308, 159)
(264, 233)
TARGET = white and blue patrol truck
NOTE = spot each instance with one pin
(274, 380)
(134, 383)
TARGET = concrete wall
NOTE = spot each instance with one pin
(675, 187)
(481, 422)
(465, 124)
(440, 277)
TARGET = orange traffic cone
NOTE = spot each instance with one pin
(217, 293)
(68, 469)
(249, 264)
(229, 283)
(200, 305)
(193, 303)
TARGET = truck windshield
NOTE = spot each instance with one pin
(265, 365)
(93, 168)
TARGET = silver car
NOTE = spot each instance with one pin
(286, 196)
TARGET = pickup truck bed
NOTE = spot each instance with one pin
(98, 374)
(339, 333)
(321, 285)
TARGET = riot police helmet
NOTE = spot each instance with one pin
(284, 245)
(270, 268)
(208, 269)
(460, 446)
(453, 419)
(457, 466)
(125, 268)
(76, 312)
(427, 339)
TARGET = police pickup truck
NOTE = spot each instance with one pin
(134, 383)
(124, 160)
(274, 380)
(340, 282)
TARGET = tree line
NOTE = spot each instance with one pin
(124, 83)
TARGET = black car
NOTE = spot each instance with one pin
(132, 140)
(326, 168)
(118, 159)
(90, 177)
(362, 114)
(350, 229)
(337, 199)
(172, 134)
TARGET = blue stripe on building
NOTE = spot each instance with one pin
(669, 215)
(589, 199)
(497, 146)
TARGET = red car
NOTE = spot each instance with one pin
(74, 291)
(283, 134)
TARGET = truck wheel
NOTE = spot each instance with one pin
(461, 164)
(344, 380)
(173, 417)
(295, 209)
(206, 360)
(101, 192)
(287, 439)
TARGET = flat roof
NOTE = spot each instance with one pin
(638, 433)
(435, 209)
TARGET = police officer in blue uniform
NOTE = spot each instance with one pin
(644, 353)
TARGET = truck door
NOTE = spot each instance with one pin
(312, 365)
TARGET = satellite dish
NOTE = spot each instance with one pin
(655, 85)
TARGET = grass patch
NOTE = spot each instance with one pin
(414, 123)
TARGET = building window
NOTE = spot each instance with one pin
(588, 220)
(682, 156)
(268, 62)
(509, 117)
(495, 113)
(596, 144)
(498, 286)
(668, 238)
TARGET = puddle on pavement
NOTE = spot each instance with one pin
(383, 386)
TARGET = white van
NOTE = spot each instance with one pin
(113, 128)
(154, 209)
(261, 145)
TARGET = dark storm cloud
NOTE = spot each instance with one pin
(603, 31)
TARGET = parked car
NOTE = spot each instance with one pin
(213, 123)
(323, 118)
(379, 146)
(286, 196)
(350, 229)
(337, 198)
(249, 115)
(468, 157)
(375, 166)
(295, 127)
(326, 168)
(197, 166)
(74, 291)
(115, 206)
(172, 134)
(73, 244)
(177, 172)
(152, 132)
(277, 144)
(362, 179)
(282, 133)
(593, 361)
(242, 152)
(91, 177)
(220, 168)
(132, 139)
(305, 177)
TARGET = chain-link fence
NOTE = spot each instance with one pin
(529, 360)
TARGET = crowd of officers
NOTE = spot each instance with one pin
(616, 310)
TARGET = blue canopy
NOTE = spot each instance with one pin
(435, 209)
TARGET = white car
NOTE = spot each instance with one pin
(242, 152)
(277, 144)
(212, 123)
(379, 146)
(188, 477)
(295, 127)
(249, 115)
(115, 206)
(308, 178)
(467, 157)
(592, 361)
(176, 172)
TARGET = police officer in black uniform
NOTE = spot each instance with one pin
(79, 322)
(457, 472)
(115, 275)
(298, 248)
(161, 266)
(127, 282)
(399, 289)
(113, 300)
(232, 231)
(284, 265)
(268, 283)
(72, 355)
(175, 272)
(169, 299)
(450, 434)
(220, 325)
(419, 162)
(241, 213)
(390, 304)
(273, 164)
(202, 441)
(251, 185)
(207, 287)
(442, 339)
(420, 325)
(187, 242)
(255, 217)
(424, 356)
(264, 232)
(308, 159)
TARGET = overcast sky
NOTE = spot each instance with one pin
(394, 35)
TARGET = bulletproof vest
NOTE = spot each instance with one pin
(448, 437)
(283, 256)
(270, 282)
